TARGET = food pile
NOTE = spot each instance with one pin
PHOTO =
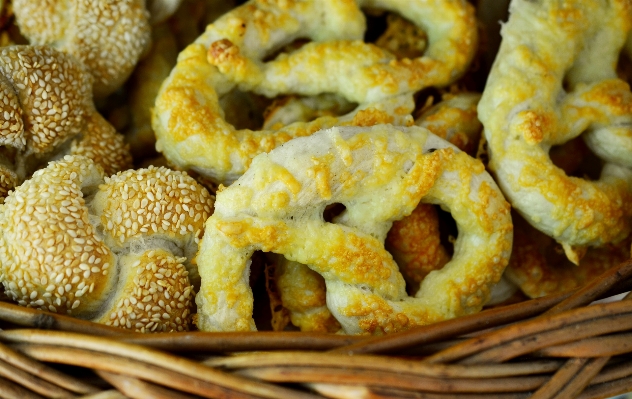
(357, 167)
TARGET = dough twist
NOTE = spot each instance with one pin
(48, 112)
(113, 250)
(379, 174)
(413, 242)
(189, 122)
(554, 79)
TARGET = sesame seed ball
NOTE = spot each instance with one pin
(46, 111)
(103, 144)
(155, 294)
(50, 255)
(108, 36)
(53, 90)
(114, 250)
(154, 202)
(12, 128)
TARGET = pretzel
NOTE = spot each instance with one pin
(167, 39)
(379, 174)
(525, 110)
(108, 37)
(302, 299)
(48, 113)
(413, 242)
(188, 120)
(113, 250)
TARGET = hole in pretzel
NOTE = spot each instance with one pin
(333, 210)
(244, 110)
(394, 33)
(422, 242)
(576, 159)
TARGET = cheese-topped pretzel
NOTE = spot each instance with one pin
(48, 112)
(413, 241)
(108, 36)
(113, 250)
(554, 79)
(188, 119)
(379, 174)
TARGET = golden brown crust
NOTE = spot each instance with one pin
(108, 37)
(526, 110)
(116, 250)
(415, 245)
(188, 120)
(48, 112)
(277, 207)
(538, 265)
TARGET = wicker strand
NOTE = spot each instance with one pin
(239, 341)
(383, 363)
(541, 340)
(134, 369)
(32, 382)
(150, 357)
(29, 317)
(393, 380)
(530, 327)
(11, 390)
(22, 363)
(570, 385)
(607, 389)
(138, 389)
(109, 394)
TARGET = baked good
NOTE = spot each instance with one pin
(379, 174)
(115, 250)
(48, 112)
(188, 119)
(108, 36)
(554, 79)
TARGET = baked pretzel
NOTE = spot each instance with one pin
(379, 174)
(168, 38)
(108, 36)
(113, 250)
(48, 112)
(526, 109)
(413, 242)
(189, 122)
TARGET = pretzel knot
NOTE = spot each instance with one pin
(379, 174)
(525, 111)
(189, 123)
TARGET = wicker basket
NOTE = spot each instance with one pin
(557, 346)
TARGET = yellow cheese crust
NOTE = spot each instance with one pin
(188, 120)
(554, 78)
(379, 174)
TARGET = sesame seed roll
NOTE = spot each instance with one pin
(108, 36)
(46, 111)
(116, 250)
